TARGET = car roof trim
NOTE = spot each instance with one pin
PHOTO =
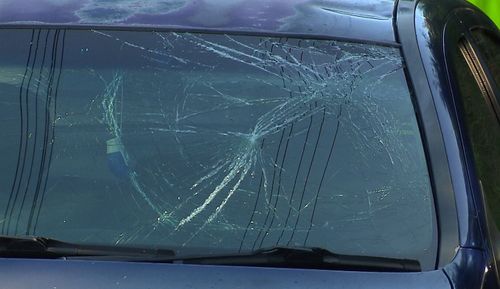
(256, 33)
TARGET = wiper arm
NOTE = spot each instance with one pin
(290, 257)
(41, 247)
(304, 257)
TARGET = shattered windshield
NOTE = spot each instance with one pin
(211, 142)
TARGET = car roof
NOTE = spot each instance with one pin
(369, 20)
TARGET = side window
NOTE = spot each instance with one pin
(482, 121)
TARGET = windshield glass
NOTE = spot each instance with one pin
(211, 143)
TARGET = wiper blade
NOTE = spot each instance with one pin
(305, 257)
(42, 247)
(289, 257)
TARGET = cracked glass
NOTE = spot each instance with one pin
(211, 143)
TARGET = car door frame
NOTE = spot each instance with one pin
(459, 28)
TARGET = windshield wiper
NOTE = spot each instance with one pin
(289, 257)
(41, 247)
(304, 257)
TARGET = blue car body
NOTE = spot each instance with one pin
(466, 250)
